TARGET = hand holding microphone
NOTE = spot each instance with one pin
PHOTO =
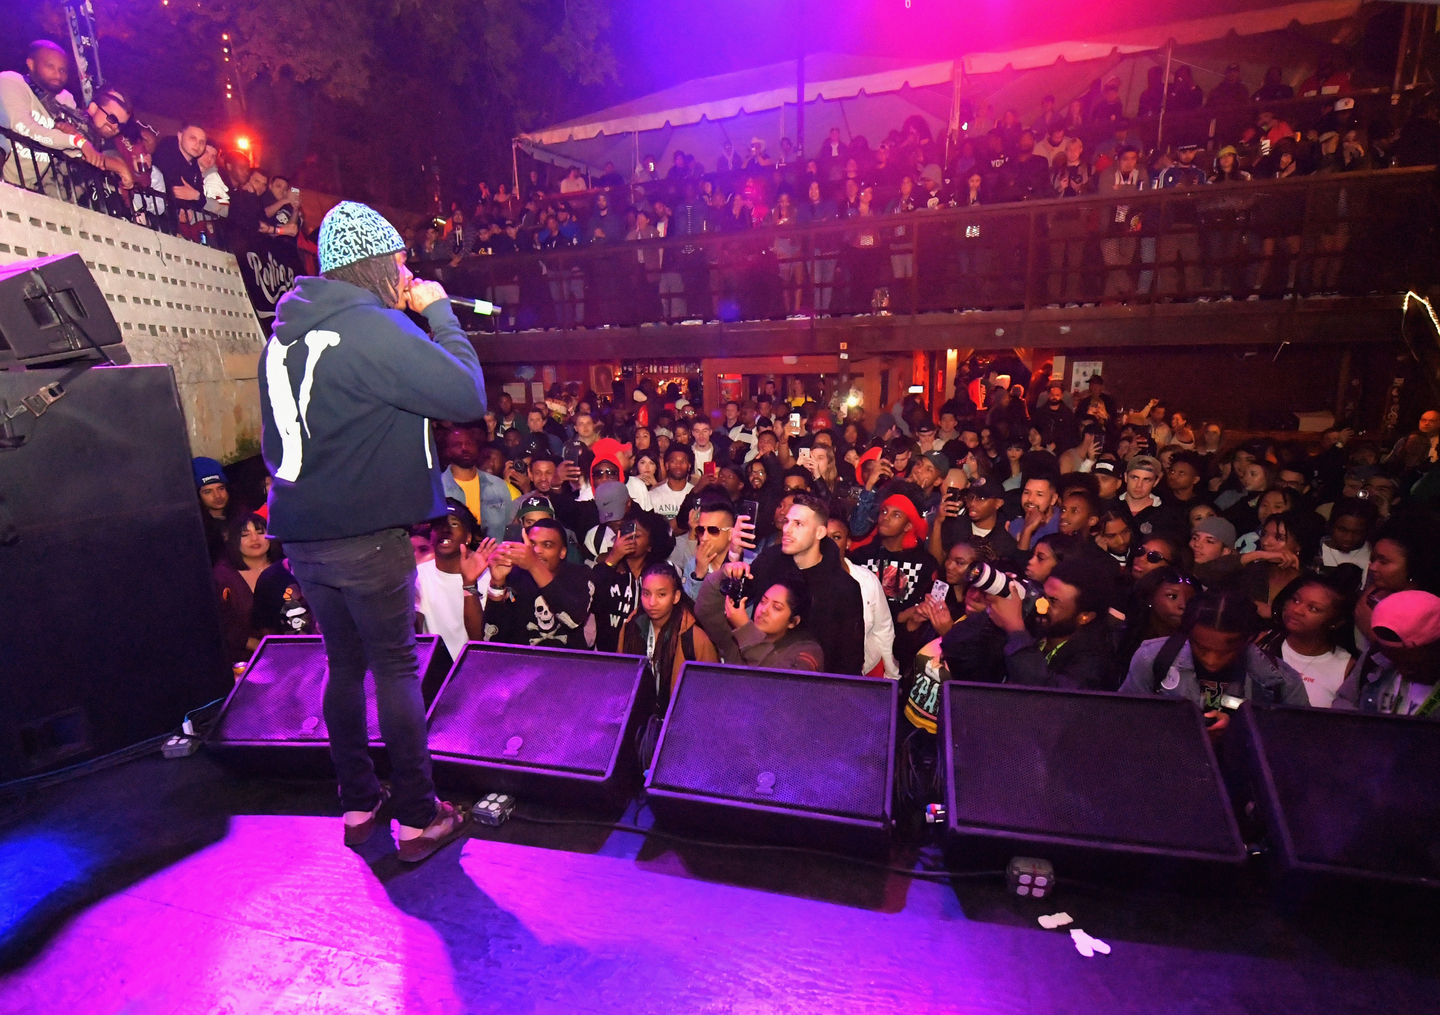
(422, 293)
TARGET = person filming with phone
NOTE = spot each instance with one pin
(805, 553)
(348, 386)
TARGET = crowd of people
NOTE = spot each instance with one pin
(1226, 247)
(103, 156)
(1058, 541)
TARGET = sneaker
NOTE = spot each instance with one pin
(448, 824)
(358, 835)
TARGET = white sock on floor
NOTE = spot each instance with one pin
(406, 832)
(358, 817)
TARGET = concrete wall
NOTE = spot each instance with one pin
(177, 302)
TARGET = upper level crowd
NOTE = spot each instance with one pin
(1049, 540)
(101, 156)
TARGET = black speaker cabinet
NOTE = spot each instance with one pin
(778, 756)
(1081, 776)
(273, 723)
(1344, 795)
(546, 724)
(109, 623)
(51, 311)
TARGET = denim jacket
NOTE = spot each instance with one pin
(496, 507)
(1267, 680)
(1372, 683)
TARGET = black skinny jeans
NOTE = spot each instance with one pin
(362, 590)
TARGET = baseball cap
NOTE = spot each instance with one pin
(1407, 619)
(884, 423)
(1144, 463)
(1217, 528)
(925, 426)
(207, 471)
(1228, 149)
(607, 447)
(611, 500)
(533, 502)
(937, 459)
(986, 489)
(1107, 467)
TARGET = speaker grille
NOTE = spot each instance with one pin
(817, 743)
(1356, 790)
(281, 698)
(1103, 769)
(567, 710)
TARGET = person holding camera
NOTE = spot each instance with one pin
(1069, 647)
(805, 553)
(776, 637)
(1212, 661)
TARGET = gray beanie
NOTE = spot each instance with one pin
(1217, 528)
(351, 232)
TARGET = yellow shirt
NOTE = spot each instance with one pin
(471, 489)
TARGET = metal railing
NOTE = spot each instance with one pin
(1344, 233)
(43, 170)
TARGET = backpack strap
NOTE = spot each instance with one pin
(687, 643)
(1165, 658)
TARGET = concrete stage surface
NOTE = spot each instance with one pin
(168, 887)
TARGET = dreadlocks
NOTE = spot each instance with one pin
(379, 275)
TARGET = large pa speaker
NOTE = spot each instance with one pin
(556, 725)
(1344, 795)
(778, 756)
(109, 621)
(274, 722)
(51, 311)
(1082, 776)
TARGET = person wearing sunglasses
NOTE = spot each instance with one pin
(1155, 552)
(711, 535)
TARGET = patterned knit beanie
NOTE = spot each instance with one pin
(352, 232)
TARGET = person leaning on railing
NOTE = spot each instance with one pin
(35, 106)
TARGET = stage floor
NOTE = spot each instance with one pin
(163, 887)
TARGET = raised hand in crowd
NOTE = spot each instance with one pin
(474, 562)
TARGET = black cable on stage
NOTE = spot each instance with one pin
(118, 757)
(921, 875)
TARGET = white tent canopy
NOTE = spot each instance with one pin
(871, 95)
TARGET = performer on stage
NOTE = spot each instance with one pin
(348, 387)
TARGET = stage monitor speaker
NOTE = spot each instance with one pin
(109, 622)
(778, 756)
(52, 312)
(544, 724)
(274, 720)
(1082, 777)
(1345, 795)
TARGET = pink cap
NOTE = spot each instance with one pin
(1407, 619)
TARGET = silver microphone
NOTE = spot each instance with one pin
(479, 306)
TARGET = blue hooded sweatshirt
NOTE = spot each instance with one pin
(348, 387)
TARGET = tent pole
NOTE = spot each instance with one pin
(799, 82)
(515, 165)
(1164, 95)
(1400, 56)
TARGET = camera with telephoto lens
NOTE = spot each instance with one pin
(733, 588)
(992, 581)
